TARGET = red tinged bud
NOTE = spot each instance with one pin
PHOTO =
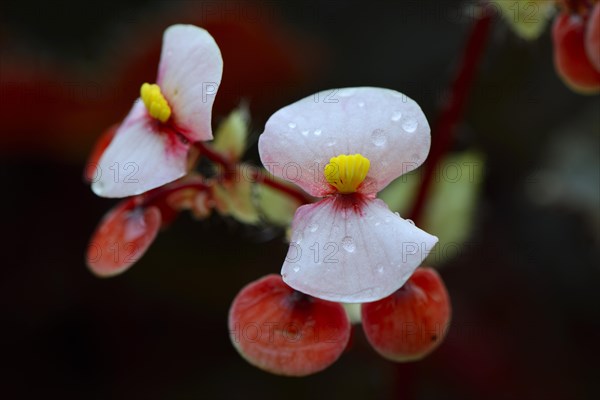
(570, 55)
(122, 237)
(412, 322)
(592, 37)
(286, 332)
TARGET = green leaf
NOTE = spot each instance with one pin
(527, 18)
(232, 133)
(451, 204)
(276, 207)
(450, 210)
(234, 198)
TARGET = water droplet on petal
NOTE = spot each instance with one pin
(313, 227)
(380, 269)
(296, 269)
(410, 125)
(378, 137)
(292, 125)
(396, 116)
(410, 221)
(317, 132)
(348, 244)
(305, 133)
(361, 104)
(297, 237)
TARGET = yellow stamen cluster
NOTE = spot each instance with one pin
(155, 102)
(347, 172)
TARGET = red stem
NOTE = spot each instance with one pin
(162, 192)
(259, 176)
(452, 111)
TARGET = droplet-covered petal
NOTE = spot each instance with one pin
(140, 157)
(122, 237)
(286, 332)
(383, 125)
(189, 76)
(352, 251)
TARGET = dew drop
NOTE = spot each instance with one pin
(296, 269)
(410, 221)
(378, 137)
(361, 104)
(313, 227)
(410, 125)
(331, 143)
(297, 237)
(396, 116)
(348, 244)
(380, 269)
(317, 132)
(305, 133)
(377, 223)
(292, 125)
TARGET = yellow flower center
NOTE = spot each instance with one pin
(155, 102)
(347, 172)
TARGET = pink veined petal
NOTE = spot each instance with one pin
(189, 75)
(383, 125)
(339, 254)
(122, 237)
(140, 157)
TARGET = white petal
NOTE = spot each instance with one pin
(383, 125)
(139, 158)
(189, 75)
(340, 255)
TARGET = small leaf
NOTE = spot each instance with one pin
(276, 207)
(451, 201)
(450, 208)
(527, 18)
(234, 198)
(231, 136)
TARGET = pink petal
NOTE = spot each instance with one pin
(122, 237)
(352, 253)
(383, 125)
(189, 75)
(140, 157)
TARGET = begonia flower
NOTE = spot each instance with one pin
(344, 146)
(151, 146)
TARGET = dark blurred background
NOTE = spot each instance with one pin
(525, 294)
